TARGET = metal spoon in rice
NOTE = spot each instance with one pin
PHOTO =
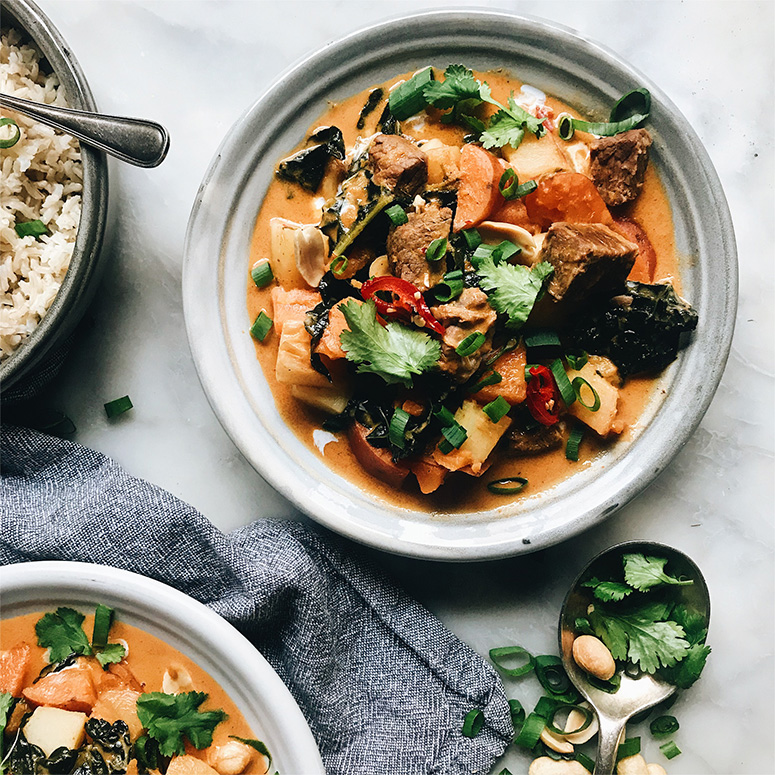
(139, 142)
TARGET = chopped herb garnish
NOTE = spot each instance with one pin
(513, 289)
(257, 745)
(9, 142)
(542, 338)
(34, 228)
(408, 98)
(578, 384)
(436, 250)
(662, 726)
(450, 287)
(397, 428)
(397, 214)
(262, 273)
(573, 443)
(670, 750)
(496, 410)
(491, 379)
(505, 655)
(630, 747)
(62, 634)
(261, 326)
(118, 406)
(563, 383)
(470, 344)
(643, 572)
(473, 723)
(508, 486)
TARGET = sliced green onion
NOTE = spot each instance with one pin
(551, 674)
(450, 287)
(339, 265)
(508, 184)
(578, 383)
(504, 251)
(523, 189)
(408, 98)
(609, 687)
(261, 326)
(454, 436)
(565, 128)
(585, 761)
(470, 344)
(563, 383)
(262, 273)
(586, 712)
(670, 750)
(481, 253)
(490, 379)
(496, 410)
(500, 655)
(348, 239)
(517, 713)
(436, 250)
(545, 707)
(14, 138)
(662, 726)
(531, 731)
(397, 214)
(103, 618)
(637, 101)
(542, 338)
(572, 445)
(567, 125)
(508, 486)
(117, 407)
(473, 723)
(577, 362)
(397, 428)
(472, 237)
(629, 747)
(34, 228)
(444, 416)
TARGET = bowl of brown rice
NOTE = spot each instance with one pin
(53, 197)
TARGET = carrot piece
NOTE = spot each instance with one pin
(430, 476)
(566, 196)
(291, 305)
(513, 387)
(478, 192)
(514, 211)
(69, 689)
(13, 666)
(329, 344)
(646, 261)
(377, 462)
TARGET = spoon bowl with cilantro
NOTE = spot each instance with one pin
(648, 606)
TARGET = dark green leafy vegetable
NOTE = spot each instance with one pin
(258, 745)
(149, 758)
(118, 406)
(585, 761)
(375, 95)
(308, 166)
(608, 590)
(110, 746)
(508, 126)
(34, 228)
(6, 705)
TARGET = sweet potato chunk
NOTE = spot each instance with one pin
(566, 196)
(377, 462)
(13, 667)
(478, 190)
(513, 387)
(291, 305)
(329, 344)
(116, 704)
(68, 689)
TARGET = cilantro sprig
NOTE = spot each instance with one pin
(513, 289)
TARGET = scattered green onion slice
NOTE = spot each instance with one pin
(551, 674)
(444, 416)
(472, 237)
(500, 655)
(397, 214)
(531, 731)
(563, 383)
(503, 251)
(670, 750)
(473, 723)
(609, 687)
(505, 770)
(585, 761)
(34, 228)
(523, 189)
(470, 344)
(565, 128)
(397, 428)
(262, 273)
(542, 338)
(14, 138)
(450, 287)
(578, 383)
(586, 712)
(545, 707)
(490, 379)
(508, 184)
(629, 747)
(577, 362)
(339, 265)
(103, 618)
(261, 326)
(662, 726)
(567, 125)
(509, 486)
(117, 407)
(637, 101)
(408, 98)
(572, 445)
(517, 713)
(454, 436)
(436, 250)
(496, 410)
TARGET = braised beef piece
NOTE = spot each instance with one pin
(618, 165)
(588, 258)
(398, 164)
(407, 243)
(469, 313)
(536, 440)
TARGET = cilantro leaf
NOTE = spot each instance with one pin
(693, 623)
(62, 634)
(513, 289)
(459, 84)
(688, 670)
(508, 126)
(608, 590)
(643, 573)
(394, 352)
(641, 636)
(110, 653)
(6, 703)
(171, 717)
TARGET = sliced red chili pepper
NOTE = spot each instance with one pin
(405, 300)
(543, 396)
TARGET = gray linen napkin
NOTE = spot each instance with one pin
(383, 684)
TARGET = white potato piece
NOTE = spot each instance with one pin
(52, 728)
(656, 769)
(331, 399)
(603, 421)
(537, 156)
(282, 253)
(632, 765)
(293, 366)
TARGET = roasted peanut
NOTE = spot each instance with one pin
(230, 758)
(593, 656)
(575, 720)
(555, 742)
(632, 765)
(546, 766)
(656, 769)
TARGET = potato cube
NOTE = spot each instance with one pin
(52, 728)
(293, 358)
(603, 421)
(329, 399)
(282, 253)
(537, 156)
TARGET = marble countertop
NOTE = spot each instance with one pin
(195, 67)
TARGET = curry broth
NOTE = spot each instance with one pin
(460, 492)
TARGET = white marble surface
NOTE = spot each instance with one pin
(196, 66)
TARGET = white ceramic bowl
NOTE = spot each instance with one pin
(188, 626)
(561, 63)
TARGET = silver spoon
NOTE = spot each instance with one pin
(635, 694)
(139, 142)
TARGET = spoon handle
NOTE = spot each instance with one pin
(608, 743)
(139, 142)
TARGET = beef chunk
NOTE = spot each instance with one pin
(587, 258)
(618, 165)
(407, 243)
(398, 164)
(536, 440)
(469, 313)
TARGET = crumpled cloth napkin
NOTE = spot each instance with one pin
(383, 684)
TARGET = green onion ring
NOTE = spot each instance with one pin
(663, 726)
(551, 674)
(531, 731)
(634, 102)
(517, 713)
(339, 265)
(567, 125)
(397, 428)
(577, 384)
(585, 761)
(491, 379)
(563, 383)
(587, 713)
(542, 338)
(508, 486)
(473, 723)
(436, 250)
(11, 141)
(508, 184)
(470, 344)
(670, 750)
(103, 618)
(629, 747)
(572, 445)
(499, 654)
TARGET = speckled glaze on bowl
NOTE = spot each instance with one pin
(579, 72)
(81, 279)
(188, 626)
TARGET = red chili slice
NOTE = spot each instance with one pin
(406, 300)
(543, 396)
